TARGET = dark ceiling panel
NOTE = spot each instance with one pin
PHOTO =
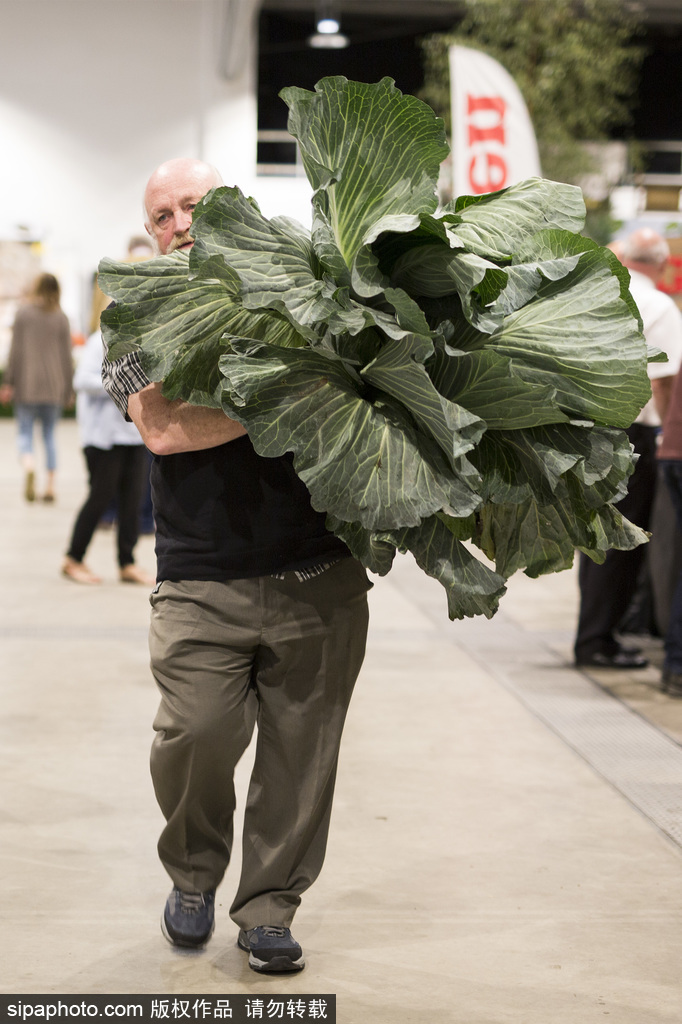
(657, 11)
(385, 41)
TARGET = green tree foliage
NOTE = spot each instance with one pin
(576, 63)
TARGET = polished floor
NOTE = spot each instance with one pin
(505, 841)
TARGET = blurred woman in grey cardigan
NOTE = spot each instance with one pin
(38, 377)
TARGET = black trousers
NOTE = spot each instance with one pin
(607, 589)
(118, 473)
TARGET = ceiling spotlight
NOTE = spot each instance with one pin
(333, 41)
(327, 27)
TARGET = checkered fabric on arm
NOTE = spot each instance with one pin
(122, 378)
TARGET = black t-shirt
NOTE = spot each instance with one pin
(228, 513)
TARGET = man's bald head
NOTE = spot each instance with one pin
(170, 197)
(617, 246)
(646, 251)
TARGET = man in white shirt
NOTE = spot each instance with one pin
(607, 589)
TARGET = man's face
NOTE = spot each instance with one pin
(170, 199)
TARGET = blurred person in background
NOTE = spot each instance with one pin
(139, 248)
(670, 461)
(38, 377)
(606, 589)
(118, 469)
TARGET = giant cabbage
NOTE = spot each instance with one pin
(448, 380)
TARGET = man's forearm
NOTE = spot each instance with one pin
(171, 427)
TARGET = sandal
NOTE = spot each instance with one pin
(133, 574)
(78, 572)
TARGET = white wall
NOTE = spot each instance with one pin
(94, 94)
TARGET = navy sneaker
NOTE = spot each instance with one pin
(271, 950)
(189, 918)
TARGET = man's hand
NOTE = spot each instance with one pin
(171, 427)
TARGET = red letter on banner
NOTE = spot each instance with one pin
(493, 167)
(486, 104)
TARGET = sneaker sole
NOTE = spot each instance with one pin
(277, 965)
(179, 942)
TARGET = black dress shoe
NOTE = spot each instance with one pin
(671, 683)
(630, 649)
(623, 659)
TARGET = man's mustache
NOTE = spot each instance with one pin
(180, 240)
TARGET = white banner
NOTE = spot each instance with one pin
(493, 141)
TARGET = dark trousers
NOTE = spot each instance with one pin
(606, 589)
(119, 473)
(279, 652)
(672, 474)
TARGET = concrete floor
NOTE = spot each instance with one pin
(479, 871)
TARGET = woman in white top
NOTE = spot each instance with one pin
(118, 466)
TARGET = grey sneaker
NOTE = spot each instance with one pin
(271, 950)
(189, 918)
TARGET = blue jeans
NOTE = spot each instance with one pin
(26, 415)
(672, 474)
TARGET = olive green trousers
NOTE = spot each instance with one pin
(280, 653)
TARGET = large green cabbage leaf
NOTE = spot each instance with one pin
(447, 380)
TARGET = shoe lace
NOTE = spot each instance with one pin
(274, 932)
(190, 902)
